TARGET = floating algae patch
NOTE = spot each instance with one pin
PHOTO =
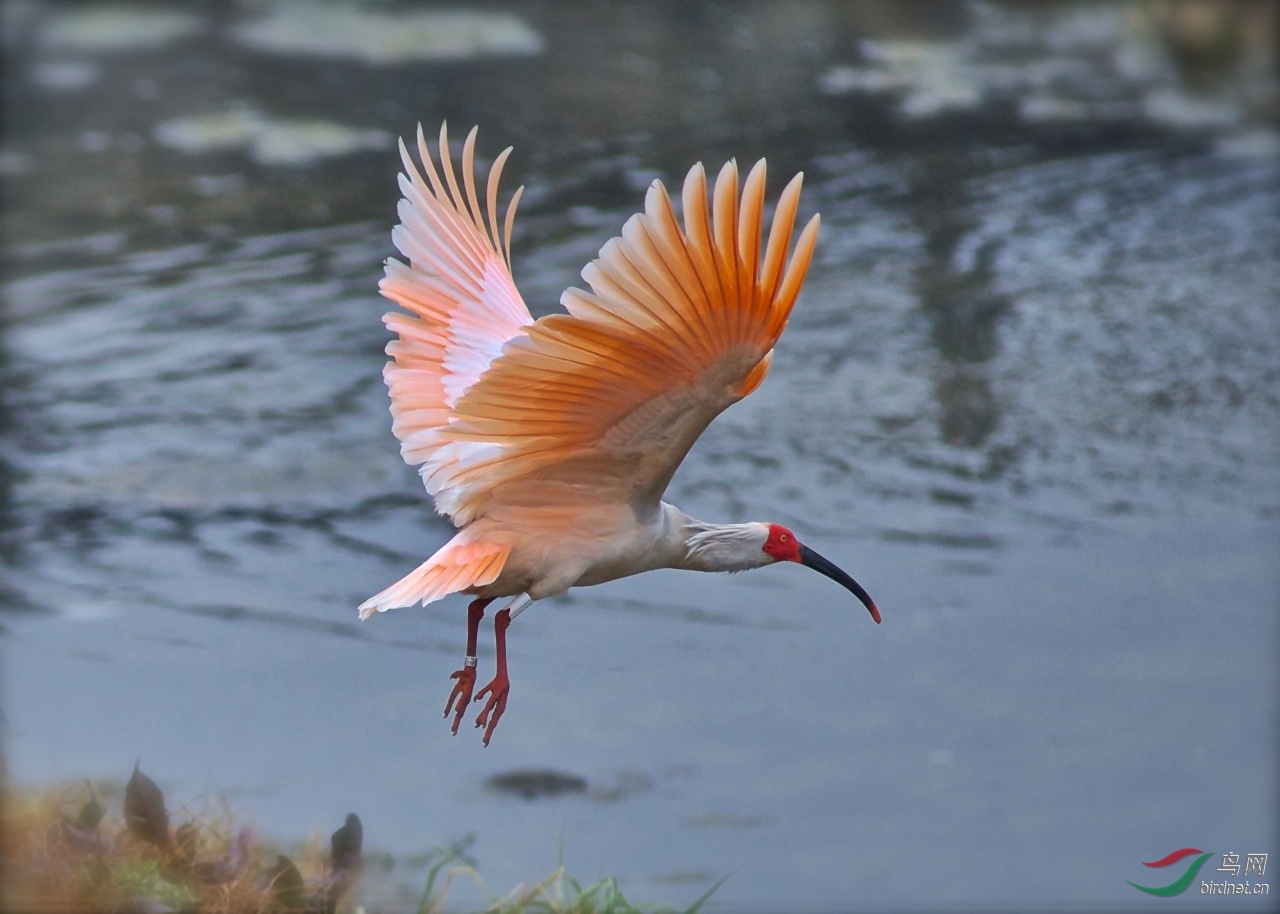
(269, 142)
(117, 28)
(209, 132)
(931, 77)
(386, 38)
(1095, 62)
(302, 142)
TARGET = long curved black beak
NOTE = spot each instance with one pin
(812, 560)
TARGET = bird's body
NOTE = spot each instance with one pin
(604, 543)
(550, 443)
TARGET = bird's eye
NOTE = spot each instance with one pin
(782, 538)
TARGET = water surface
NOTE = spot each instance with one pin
(1027, 398)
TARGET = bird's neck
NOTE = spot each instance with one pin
(699, 546)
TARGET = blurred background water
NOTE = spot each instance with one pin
(1028, 398)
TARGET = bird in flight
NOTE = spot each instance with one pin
(550, 443)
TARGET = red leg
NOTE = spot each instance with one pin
(467, 675)
(498, 688)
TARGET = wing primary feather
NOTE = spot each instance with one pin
(469, 179)
(724, 223)
(750, 215)
(794, 276)
(511, 218)
(446, 165)
(411, 170)
(428, 163)
(784, 219)
(697, 227)
(491, 192)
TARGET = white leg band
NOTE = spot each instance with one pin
(519, 604)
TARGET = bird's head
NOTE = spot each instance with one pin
(781, 545)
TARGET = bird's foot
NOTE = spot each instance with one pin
(498, 688)
(497, 691)
(461, 694)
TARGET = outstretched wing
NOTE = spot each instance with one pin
(457, 287)
(600, 405)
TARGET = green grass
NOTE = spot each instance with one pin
(559, 893)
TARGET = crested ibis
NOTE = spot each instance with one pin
(550, 443)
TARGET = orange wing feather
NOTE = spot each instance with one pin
(607, 399)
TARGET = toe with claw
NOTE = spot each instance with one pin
(461, 695)
(497, 691)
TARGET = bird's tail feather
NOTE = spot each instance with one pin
(456, 566)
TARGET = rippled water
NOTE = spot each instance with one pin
(1028, 398)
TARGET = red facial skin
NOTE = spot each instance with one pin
(782, 545)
